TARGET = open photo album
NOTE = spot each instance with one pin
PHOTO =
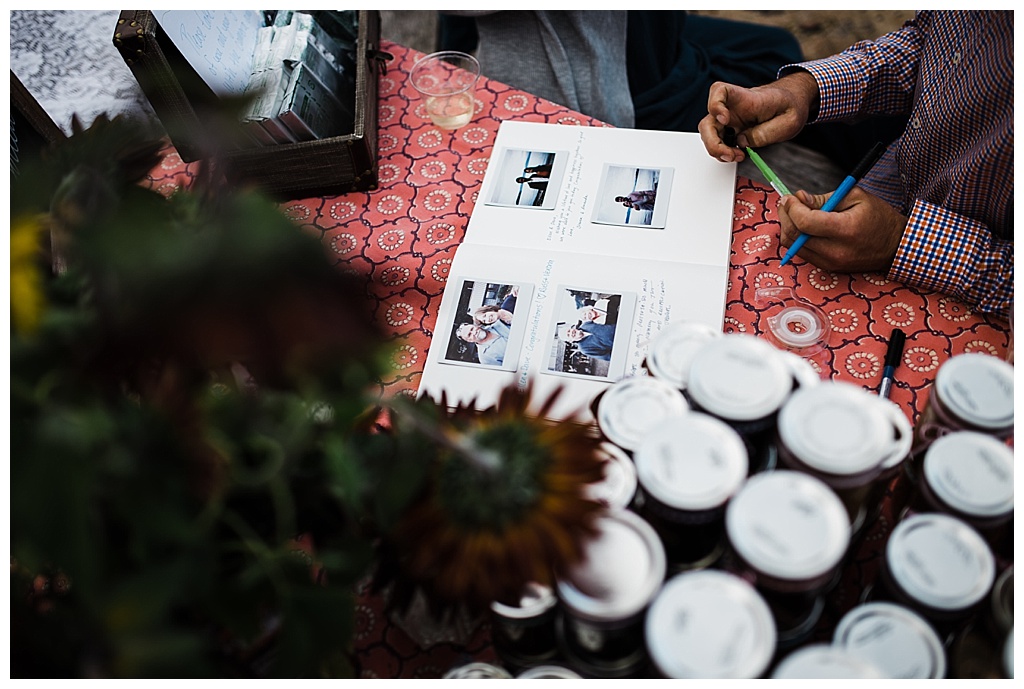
(584, 243)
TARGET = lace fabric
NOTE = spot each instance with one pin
(67, 61)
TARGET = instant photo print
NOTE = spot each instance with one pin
(591, 332)
(484, 331)
(633, 196)
(528, 178)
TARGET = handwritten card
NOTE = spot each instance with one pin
(219, 44)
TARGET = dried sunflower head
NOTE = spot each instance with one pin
(505, 505)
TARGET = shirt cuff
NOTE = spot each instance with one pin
(840, 85)
(939, 250)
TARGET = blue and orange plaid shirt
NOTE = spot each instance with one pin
(951, 171)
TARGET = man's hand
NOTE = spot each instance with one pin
(861, 235)
(760, 116)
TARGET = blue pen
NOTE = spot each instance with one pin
(840, 193)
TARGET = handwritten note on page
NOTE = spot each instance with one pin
(218, 44)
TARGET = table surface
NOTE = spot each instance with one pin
(401, 238)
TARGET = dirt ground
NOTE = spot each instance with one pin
(823, 33)
(820, 32)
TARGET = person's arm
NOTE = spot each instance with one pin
(955, 255)
(759, 116)
(492, 355)
(874, 77)
(933, 247)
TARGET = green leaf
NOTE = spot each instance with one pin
(316, 624)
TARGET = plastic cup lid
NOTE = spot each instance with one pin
(904, 430)
(788, 525)
(898, 641)
(618, 487)
(739, 377)
(972, 473)
(671, 351)
(536, 599)
(548, 672)
(836, 427)
(710, 624)
(802, 369)
(694, 463)
(477, 671)
(978, 388)
(822, 661)
(622, 569)
(632, 406)
(940, 561)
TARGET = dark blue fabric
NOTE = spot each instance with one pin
(456, 33)
(673, 58)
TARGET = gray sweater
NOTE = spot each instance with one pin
(576, 58)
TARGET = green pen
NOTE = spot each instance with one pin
(772, 178)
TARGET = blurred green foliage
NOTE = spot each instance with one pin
(156, 491)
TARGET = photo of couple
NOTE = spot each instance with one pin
(586, 335)
(528, 179)
(484, 332)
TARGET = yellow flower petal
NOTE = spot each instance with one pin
(27, 300)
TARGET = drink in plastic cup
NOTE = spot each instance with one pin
(446, 81)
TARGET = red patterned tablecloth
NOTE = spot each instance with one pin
(401, 238)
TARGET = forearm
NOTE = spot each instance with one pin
(955, 255)
(868, 78)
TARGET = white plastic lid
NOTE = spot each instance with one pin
(972, 473)
(836, 427)
(898, 641)
(739, 378)
(822, 661)
(622, 569)
(940, 561)
(671, 351)
(710, 624)
(548, 672)
(903, 429)
(694, 463)
(629, 408)
(536, 598)
(477, 671)
(978, 388)
(788, 525)
(618, 487)
(803, 371)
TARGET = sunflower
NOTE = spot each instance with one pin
(505, 505)
(28, 299)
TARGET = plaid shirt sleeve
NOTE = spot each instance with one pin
(951, 171)
(953, 254)
(874, 77)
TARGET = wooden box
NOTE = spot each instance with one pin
(323, 167)
(32, 129)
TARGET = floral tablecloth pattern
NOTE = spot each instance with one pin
(400, 240)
